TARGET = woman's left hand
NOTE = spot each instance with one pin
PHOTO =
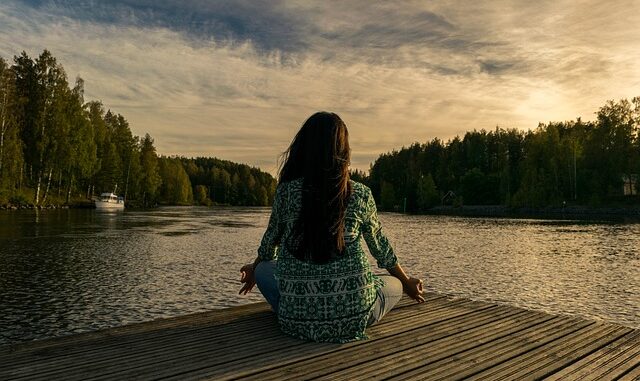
(248, 278)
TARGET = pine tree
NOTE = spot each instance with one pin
(151, 179)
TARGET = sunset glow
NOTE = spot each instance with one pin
(237, 79)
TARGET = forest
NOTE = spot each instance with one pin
(592, 164)
(57, 149)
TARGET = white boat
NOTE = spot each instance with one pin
(109, 201)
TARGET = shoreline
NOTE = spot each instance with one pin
(611, 213)
(73, 205)
(91, 205)
(568, 212)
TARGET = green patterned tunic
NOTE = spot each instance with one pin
(329, 302)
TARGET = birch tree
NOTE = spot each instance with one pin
(10, 143)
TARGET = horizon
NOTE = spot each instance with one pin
(236, 80)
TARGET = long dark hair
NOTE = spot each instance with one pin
(320, 155)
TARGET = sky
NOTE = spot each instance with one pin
(236, 79)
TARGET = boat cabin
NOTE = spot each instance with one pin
(110, 197)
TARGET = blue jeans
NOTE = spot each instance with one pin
(387, 296)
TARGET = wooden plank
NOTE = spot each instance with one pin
(408, 302)
(215, 317)
(444, 338)
(421, 311)
(553, 356)
(428, 351)
(200, 323)
(279, 354)
(121, 358)
(376, 332)
(487, 355)
(632, 375)
(234, 363)
(133, 358)
(141, 340)
(167, 335)
(462, 363)
(613, 360)
(378, 346)
(355, 361)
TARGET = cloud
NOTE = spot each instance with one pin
(237, 79)
(266, 23)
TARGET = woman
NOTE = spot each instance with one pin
(311, 267)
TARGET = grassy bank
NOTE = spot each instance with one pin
(24, 199)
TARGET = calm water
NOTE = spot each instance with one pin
(69, 271)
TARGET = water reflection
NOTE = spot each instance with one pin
(564, 267)
(66, 271)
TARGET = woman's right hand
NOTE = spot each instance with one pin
(413, 288)
(248, 278)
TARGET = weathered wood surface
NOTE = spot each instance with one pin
(444, 338)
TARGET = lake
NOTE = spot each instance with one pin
(71, 271)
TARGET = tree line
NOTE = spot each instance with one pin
(216, 181)
(595, 163)
(56, 148)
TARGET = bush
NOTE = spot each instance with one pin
(4, 198)
(54, 200)
(427, 193)
(21, 199)
(479, 188)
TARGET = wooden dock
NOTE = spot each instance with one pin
(444, 338)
